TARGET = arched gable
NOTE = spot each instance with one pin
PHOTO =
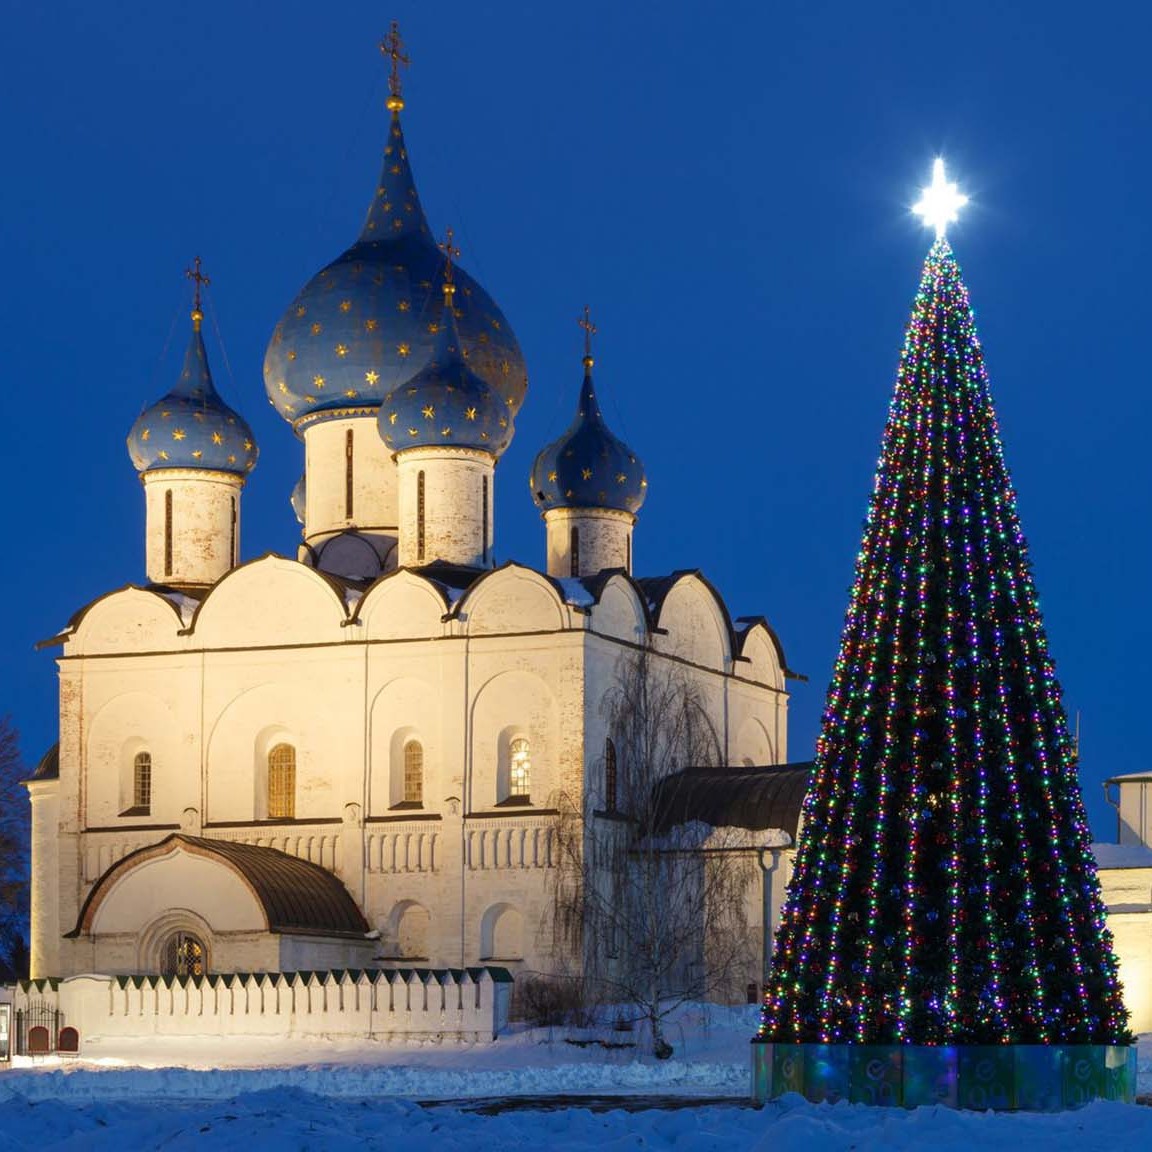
(401, 605)
(130, 619)
(271, 601)
(693, 623)
(619, 610)
(762, 659)
(512, 599)
(753, 747)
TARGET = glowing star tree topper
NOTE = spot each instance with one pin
(940, 202)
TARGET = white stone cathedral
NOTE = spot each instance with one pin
(356, 756)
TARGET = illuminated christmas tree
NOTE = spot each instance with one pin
(944, 889)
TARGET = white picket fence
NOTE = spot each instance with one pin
(389, 1005)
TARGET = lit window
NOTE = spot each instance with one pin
(282, 782)
(142, 782)
(183, 956)
(519, 769)
(413, 772)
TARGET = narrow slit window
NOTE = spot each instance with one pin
(168, 532)
(348, 474)
(628, 554)
(282, 783)
(232, 545)
(574, 551)
(142, 782)
(414, 772)
(610, 775)
(420, 516)
(484, 524)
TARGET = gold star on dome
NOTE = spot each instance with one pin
(386, 206)
(162, 454)
(145, 434)
(433, 327)
(197, 453)
(217, 438)
(397, 223)
(586, 473)
(495, 324)
(301, 310)
(620, 477)
(551, 477)
(341, 350)
(291, 353)
(429, 412)
(345, 305)
(165, 415)
(413, 431)
(372, 376)
(283, 387)
(402, 305)
(402, 350)
(318, 381)
(445, 431)
(351, 393)
(503, 422)
(178, 433)
(248, 445)
(505, 367)
(232, 458)
(391, 417)
(317, 328)
(469, 413)
(370, 324)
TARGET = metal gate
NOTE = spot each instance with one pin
(38, 1014)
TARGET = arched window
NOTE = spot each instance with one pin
(413, 772)
(142, 783)
(349, 486)
(183, 955)
(519, 769)
(610, 775)
(574, 551)
(282, 783)
(168, 532)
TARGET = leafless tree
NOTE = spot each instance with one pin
(14, 862)
(650, 905)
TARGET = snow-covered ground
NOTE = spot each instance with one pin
(183, 1094)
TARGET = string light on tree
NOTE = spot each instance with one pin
(944, 890)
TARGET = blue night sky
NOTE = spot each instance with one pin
(729, 189)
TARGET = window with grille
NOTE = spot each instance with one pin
(519, 769)
(282, 783)
(413, 772)
(610, 775)
(184, 955)
(142, 782)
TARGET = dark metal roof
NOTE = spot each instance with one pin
(297, 896)
(49, 766)
(756, 798)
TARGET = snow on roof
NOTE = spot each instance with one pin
(575, 594)
(1122, 856)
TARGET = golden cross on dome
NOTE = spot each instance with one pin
(450, 253)
(393, 47)
(585, 322)
(195, 274)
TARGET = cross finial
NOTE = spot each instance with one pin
(585, 322)
(450, 253)
(200, 279)
(393, 47)
(940, 202)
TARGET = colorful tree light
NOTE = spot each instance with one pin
(944, 889)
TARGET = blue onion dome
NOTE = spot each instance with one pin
(300, 497)
(363, 327)
(191, 427)
(446, 403)
(588, 467)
